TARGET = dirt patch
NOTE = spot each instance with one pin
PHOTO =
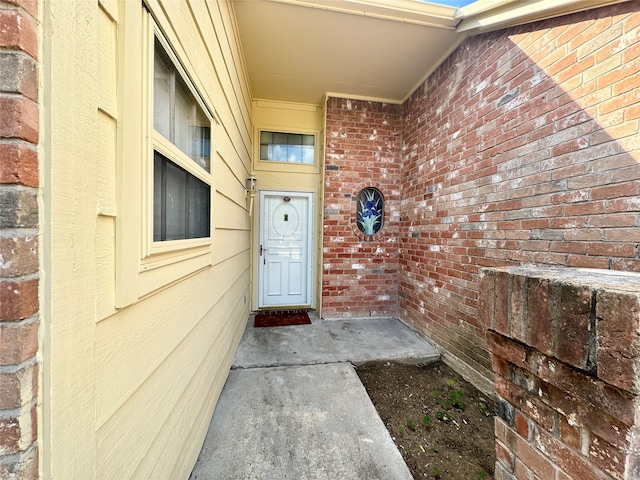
(442, 425)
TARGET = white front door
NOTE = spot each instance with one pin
(284, 249)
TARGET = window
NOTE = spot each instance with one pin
(164, 149)
(181, 202)
(287, 147)
(370, 211)
(181, 154)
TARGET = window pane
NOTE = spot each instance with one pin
(278, 153)
(158, 196)
(177, 115)
(199, 213)
(201, 146)
(295, 154)
(307, 154)
(162, 86)
(184, 118)
(181, 203)
(280, 138)
(287, 147)
(266, 138)
(175, 199)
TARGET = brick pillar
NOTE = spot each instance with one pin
(19, 268)
(565, 347)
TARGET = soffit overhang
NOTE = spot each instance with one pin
(302, 50)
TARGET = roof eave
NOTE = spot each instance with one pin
(408, 11)
(487, 15)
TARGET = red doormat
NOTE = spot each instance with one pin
(281, 319)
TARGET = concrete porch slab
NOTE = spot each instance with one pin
(301, 423)
(294, 408)
(331, 341)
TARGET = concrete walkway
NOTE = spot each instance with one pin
(294, 408)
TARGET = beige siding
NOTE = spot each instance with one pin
(130, 391)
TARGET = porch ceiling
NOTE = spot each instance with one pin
(300, 50)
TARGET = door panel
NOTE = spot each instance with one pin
(284, 272)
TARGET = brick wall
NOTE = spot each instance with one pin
(18, 239)
(522, 148)
(360, 274)
(565, 347)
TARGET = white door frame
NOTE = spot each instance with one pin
(309, 243)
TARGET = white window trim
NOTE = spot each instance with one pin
(143, 268)
(158, 254)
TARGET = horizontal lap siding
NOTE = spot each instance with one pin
(133, 389)
(522, 148)
(168, 358)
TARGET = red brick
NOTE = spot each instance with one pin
(518, 308)
(585, 209)
(29, 5)
(568, 247)
(501, 473)
(486, 298)
(607, 457)
(625, 265)
(612, 249)
(19, 119)
(501, 308)
(25, 466)
(18, 299)
(573, 325)
(514, 352)
(505, 456)
(17, 388)
(19, 256)
(599, 394)
(500, 366)
(618, 316)
(567, 459)
(632, 112)
(560, 475)
(564, 62)
(18, 342)
(10, 435)
(17, 433)
(540, 326)
(529, 456)
(18, 31)
(20, 74)
(522, 400)
(18, 165)
(618, 102)
(521, 471)
(599, 422)
(615, 191)
(587, 262)
(570, 434)
(522, 426)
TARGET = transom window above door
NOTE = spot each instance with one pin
(287, 147)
